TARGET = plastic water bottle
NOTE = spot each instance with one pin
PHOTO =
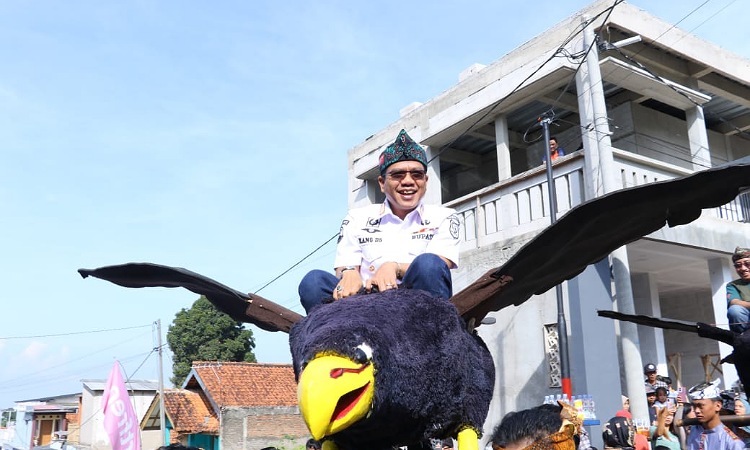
(593, 408)
(586, 407)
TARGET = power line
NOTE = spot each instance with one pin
(297, 263)
(608, 11)
(73, 333)
(711, 16)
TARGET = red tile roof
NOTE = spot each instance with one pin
(246, 384)
(190, 412)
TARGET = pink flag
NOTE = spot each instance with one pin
(120, 421)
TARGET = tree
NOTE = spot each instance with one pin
(203, 333)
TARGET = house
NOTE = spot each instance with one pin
(37, 422)
(642, 102)
(92, 434)
(232, 406)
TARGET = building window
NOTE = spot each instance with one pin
(552, 352)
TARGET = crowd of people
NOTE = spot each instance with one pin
(667, 428)
(558, 427)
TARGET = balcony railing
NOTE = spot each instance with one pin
(520, 205)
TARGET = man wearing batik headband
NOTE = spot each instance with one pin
(711, 434)
(738, 292)
(399, 243)
(545, 427)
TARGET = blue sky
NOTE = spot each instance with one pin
(211, 136)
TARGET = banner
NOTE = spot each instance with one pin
(120, 421)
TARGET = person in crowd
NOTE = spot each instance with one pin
(661, 398)
(313, 444)
(177, 446)
(738, 292)
(542, 427)
(625, 403)
(741, 408)
(652, 379)
(620, 432)
(663, 434)
(402, 242)
(650, 401)
(684, 411)
(671, 392)
(710, 433)
(446, 444)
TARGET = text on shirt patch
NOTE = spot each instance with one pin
(372, 226)
(455, 224)
(424, 234)
(369, 240)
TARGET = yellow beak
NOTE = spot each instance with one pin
(334, 392)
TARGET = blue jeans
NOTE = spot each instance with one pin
(427, 272)
(739, 318)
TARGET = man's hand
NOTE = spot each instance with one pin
(385, 277)
(349, 284)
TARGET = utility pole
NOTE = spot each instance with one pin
(562, 328)
(162, 415)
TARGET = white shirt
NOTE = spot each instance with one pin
(373, 235)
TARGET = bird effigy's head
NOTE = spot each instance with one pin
(336, 390)
(350, 356)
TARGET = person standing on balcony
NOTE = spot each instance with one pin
(738, 292)
(399, 243)
(555, 151)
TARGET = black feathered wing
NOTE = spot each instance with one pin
(701, 329)
(254, 309)
(592, 230)
(740, 342)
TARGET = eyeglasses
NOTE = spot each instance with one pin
(398, 175)
(737, 265)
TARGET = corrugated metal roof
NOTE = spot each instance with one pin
(132, 385)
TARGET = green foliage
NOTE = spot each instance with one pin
(203, 333)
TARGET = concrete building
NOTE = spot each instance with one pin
(645, 102)
(92, 433)
(40, 422)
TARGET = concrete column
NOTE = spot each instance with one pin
(434, 193)
(646, 299)
(631, 347)
(595, 369)
(720, 271)
(599, 111)
(502, 140)
(592, 186)
(631, 356)
(698, 137)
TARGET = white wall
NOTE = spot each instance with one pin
(92, 418)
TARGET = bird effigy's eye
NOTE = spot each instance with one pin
(359, 356)
(362, 353)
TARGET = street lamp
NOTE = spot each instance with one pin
(562, 329)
